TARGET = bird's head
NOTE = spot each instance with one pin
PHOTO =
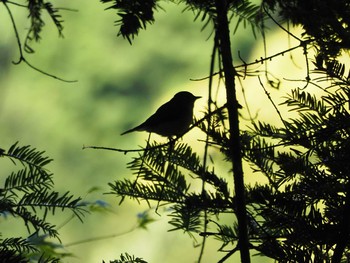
(185, 97)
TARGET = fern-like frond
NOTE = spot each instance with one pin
(55, 16)
(171, 177)
(262, 154)
(247, 13)
(28, 156)
(37, 23)
(266, 130)
(227, 234)
(219, 183)
(31, 220)
(188, 220)
(34, 8)
(126, 258)
(298, 166)
(141, 190)
(123, 188)
(27, 181)
(27, 195)
(203, 10)
(300, 100)
(335, 69)
(217, 132)
(183, 155)
(134, 15)
(339, 101)
(17, 244)
(211, 201)
(50, 201)
(308, 171)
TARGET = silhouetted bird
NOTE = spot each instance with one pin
(172, 118)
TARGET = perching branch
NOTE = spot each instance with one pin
(171, 141)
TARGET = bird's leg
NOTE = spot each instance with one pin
(167, 171)
(142, 162)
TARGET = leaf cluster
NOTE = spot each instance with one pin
(301, 215)
(126, 258)
(36, 16)
(136, 15)
(35, 8)
(28, 195)
(302, 212)
(326, 21)
(164, 175)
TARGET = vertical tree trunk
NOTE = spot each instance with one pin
(232, 106)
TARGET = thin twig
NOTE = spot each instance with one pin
(246, 105)
(206, 145)
(272, 102)
(229, 254)
(143, 161)
(43, 72)
(125, 151)
(303, 44)
(261, 60)
(93, 239)
(58, 8)
(167, 173)
(279, 25)
(21, 56)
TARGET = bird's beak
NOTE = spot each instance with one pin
(198, 97)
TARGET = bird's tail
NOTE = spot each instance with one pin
(132, 130)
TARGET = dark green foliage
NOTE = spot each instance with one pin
(187, 218)
(305, 207)
(13, 249)
(136, 15)
(160, 177)
(37, 20)
(27, 195)
(127, 259)
(326, 21)
(301, 215)
(35, 8)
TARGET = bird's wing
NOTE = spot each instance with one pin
(165, 113)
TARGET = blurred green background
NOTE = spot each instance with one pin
(118, 86)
